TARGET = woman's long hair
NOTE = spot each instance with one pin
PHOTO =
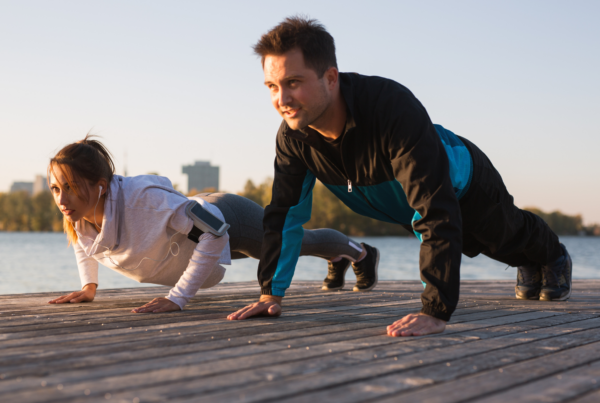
(86, 160)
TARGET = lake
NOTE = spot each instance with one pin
(41, 262)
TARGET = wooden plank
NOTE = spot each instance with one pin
(324, 345)
(218, 361)
(560, 386)
(389, 376)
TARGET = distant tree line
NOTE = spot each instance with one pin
(21, 212)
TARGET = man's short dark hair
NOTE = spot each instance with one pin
(310, 36)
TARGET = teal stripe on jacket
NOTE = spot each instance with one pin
(292, 235)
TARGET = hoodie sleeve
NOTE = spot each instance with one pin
(421, 166)
(290, 208)
(203, 262)
(87, 266)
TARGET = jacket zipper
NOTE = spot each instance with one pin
(361, 193)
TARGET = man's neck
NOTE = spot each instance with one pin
(331, 124)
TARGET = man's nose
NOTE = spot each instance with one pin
(284, 98)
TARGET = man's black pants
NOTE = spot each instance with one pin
(494, 226)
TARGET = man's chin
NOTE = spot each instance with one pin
(296, 124)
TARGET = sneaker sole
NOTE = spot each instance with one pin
(535, 298)
(325, 288)
(376, 276)
(523, 297)
(566, 297)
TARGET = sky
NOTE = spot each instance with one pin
(168, 83)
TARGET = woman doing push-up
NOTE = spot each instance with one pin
(144, 229)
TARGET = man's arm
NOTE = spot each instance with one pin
(421, 165)
(290, 208)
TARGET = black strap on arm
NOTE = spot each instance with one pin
(195, 234)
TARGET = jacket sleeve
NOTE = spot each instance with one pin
(421, 166)
(290, 208)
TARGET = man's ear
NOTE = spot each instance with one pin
(331, 76)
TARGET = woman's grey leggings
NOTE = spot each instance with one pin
(246, 232)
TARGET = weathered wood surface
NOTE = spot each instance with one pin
(326, 347)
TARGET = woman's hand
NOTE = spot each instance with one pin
(158, 305)
(87, 294)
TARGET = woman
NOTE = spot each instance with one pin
(138, 226)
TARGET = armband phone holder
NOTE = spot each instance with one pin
(204, 220)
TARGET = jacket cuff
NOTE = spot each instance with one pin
(435, 313)
(272, 291)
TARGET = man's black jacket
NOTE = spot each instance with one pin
(396, 167)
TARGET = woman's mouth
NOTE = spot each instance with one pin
(67, 211)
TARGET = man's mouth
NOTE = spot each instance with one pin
(290, 113)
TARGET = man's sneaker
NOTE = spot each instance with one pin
(529, 282)
(557, 278)
(366, 269)
(336, 272)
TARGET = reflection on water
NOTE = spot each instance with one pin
(40, 262)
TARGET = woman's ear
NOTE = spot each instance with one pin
(104, 184)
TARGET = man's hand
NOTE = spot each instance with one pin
(87, 294)
(417, 324)
(158, 305)
(267, 305)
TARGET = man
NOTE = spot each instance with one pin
(371, 142)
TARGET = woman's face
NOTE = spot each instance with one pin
(72, 206)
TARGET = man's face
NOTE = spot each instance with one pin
(297, 93)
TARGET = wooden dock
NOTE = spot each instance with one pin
(326, 347)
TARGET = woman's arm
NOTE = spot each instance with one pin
(88, 274)
(204, 260)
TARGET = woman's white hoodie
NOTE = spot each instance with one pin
(144, 237)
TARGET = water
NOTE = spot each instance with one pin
(41, 262)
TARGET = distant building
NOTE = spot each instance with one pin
(201, 176)
(40, 185)
(22, 186)
(32, 188)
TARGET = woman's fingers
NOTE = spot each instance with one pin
(63, 298)
(78, 297)
(166, 306)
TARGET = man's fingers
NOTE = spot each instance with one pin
(239, 313)
(416, 325)
(255, 309)
(252, 311)
(274, 310)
